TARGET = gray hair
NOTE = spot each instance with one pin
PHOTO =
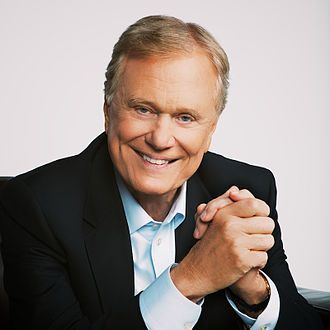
(164, 36)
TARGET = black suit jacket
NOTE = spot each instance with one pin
(67, 253)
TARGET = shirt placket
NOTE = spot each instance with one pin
(162, 253)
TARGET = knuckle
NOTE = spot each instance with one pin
(219, 198)
(218, 203)
(266, 224)
(236, 245)
(264, 259)
(267, 208)
(266, 242)
(200, 208)
(260, 259)
(271, 241)
(210, 208)
(223, 202)
(228, 225)
(272, 224)
(232, 243)
(208, 214)
(241, 263)
(251, 203)
(247, 193)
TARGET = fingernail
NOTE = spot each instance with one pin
(234, 189)
(203, 215)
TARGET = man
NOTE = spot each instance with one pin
(107, 239)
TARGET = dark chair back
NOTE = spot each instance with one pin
(4, 304)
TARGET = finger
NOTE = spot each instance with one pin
(259, 225)
(260, 242)
(258, 259)
(240, 194)
(206, 212)
(200, 209)
(200, 228)
(246, 208)
(215, 204)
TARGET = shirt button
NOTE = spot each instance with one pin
(159, 241)
(187, 326)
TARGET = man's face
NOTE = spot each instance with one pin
(160, 121)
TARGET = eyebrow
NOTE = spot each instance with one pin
(133, 102)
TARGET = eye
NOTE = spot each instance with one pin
(185, 118)
(142, 110)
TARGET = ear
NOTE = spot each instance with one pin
(106, 110)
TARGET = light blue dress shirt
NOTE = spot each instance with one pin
(153, 247)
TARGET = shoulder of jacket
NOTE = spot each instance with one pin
(220, 173)
(59, 177)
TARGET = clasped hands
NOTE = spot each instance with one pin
(234, 234)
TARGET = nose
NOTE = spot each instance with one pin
(161, 135)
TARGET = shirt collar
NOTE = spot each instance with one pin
(137, 217)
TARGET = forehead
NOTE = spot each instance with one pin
(182, 80)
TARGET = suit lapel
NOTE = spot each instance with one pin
(196, 194)
(106, 234)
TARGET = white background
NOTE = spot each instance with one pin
(53, 55)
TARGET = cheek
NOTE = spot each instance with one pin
(126, 130)
(194, 142)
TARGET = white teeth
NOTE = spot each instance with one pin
(155, 161)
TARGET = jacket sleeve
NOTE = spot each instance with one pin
(295, 312)
(36, 277)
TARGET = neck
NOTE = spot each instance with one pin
(157, 206)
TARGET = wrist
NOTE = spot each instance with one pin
(254, 304)
(181, 278)
(256, 292)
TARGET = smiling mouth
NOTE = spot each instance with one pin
(159, 162)
(155, 161)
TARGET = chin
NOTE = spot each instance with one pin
(155, 191)
(153, 188)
